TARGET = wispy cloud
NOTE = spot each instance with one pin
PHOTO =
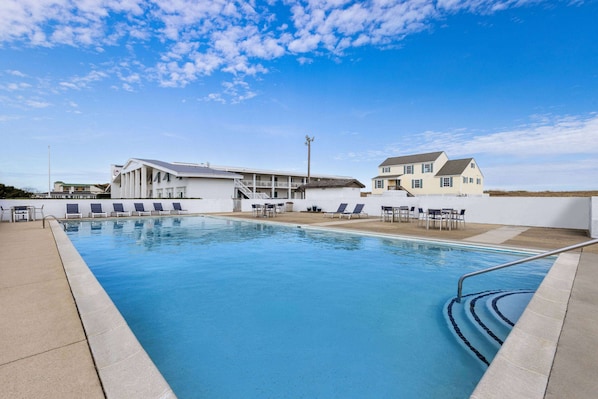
(554, 135)
(236, 38)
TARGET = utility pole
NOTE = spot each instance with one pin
(49, 187)
(308, 141)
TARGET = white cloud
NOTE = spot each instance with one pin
(200, 37)
(557, 135)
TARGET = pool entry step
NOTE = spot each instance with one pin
(482, 321)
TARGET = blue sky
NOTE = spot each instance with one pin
(512, 83)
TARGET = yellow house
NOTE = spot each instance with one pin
(429, 174)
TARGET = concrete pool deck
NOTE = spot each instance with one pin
(46, 353)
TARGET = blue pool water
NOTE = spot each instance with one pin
(233, 309)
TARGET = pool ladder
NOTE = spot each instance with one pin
(517, 262)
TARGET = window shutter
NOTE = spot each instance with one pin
(451, 181)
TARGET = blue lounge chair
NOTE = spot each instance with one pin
(358, 211)
(119, 210)
(140, 209)
(159, 210)
(339, 211)
(72, 210)
(178, 209)
(96, 210)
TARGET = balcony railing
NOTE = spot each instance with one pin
(268, 184)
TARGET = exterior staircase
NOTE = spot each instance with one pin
(482, 321)
(247, 192)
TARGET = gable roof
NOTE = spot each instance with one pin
(454, 167)
(416, 158)
(332, 184)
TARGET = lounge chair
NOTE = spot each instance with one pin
(177, 208)
(72, 210)
(159, 210)
(119, 210)
(358, 211)
(339, 211)
(96, 210)
(140, 209)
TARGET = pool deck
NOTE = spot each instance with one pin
(45, 350)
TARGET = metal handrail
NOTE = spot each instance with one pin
(516, 262)
(48, 216)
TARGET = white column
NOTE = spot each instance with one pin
(137, 176)
(143, 182)
(290, 189)
(126, 185)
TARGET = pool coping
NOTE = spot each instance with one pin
(124, 367)
(525, 359)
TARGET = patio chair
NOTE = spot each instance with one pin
(459, 217)
(387, 213)
(339, 211)
(72, 210)
(8, 211)
(96, 210)
(178, 209)
(119, 210)
(159, 210)
(140, 209)
(434, 215)
(412, 214)
(358, 211)
(270, 210)
(421, 216)
(37, 211)
(256, 210)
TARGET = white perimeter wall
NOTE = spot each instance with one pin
(334, 194)
(558, 212)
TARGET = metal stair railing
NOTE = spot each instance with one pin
(247, 191)
(517, 262)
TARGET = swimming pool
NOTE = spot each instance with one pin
(231, 309)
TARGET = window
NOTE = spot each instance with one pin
(408, 169)
(478, 181)
(464, 180)
(180, 192)
(378, 183)
(417, 183)
(446, 182)
(386, 169)
(471, 180)
(473, 165)
(427, 168)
